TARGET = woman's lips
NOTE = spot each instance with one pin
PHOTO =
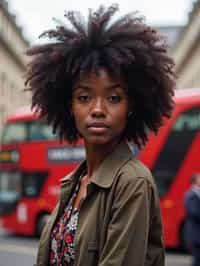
(97, 128)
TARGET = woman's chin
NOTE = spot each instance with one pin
(97, 140)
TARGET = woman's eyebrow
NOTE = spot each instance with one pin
(86, 87)
(113, 86)
(82, 87)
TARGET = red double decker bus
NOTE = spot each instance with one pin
(33, 161)
(173, 157)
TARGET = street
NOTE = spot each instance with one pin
(21, 251)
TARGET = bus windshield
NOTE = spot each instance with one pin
(17, 132)
(40, 131)
(14, 132)
(181, 136)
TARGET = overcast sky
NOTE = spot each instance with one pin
(35, 16)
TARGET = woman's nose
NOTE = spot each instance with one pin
(98, 108)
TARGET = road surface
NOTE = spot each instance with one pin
(21, 251)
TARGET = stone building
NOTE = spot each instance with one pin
(12, 63)
(171, 33)
(187, 51)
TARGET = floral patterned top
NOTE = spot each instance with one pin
(62, 235)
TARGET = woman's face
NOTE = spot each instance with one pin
(100, 107)
(198, 180)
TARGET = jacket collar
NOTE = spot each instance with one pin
(75, 174)
(111, 165)
(107, 170)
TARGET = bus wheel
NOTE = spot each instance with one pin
(40, 223)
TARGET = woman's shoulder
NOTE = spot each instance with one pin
(135, 170)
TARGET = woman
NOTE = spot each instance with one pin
(108, 84)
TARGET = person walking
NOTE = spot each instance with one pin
(192, 227)
(109, 83)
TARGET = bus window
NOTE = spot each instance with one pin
(10, 191)
(32, 183)
(186, 126)
(14, 133)
(39, 131)
(10, 186)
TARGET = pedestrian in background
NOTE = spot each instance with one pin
(192, 227)
(108, 83)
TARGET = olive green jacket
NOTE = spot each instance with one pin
(119, 221)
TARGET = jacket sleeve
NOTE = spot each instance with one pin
(128, 230)
(192, 204)
(155, 250)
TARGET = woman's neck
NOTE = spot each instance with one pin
(95, 154)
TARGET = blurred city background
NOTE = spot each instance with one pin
(21, 22)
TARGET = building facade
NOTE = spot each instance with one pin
(187, 51)
(12, 64)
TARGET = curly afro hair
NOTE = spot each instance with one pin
(126, 47)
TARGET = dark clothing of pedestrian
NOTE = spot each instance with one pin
(192, 228)
(195, 250)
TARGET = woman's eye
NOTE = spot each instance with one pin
(83, 98)
(114, 98)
